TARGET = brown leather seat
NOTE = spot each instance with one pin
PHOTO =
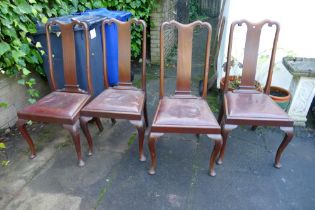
(252, 106)
(123, 100)
(177, 111)
(56, 106)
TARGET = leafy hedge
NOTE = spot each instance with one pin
(18, 56)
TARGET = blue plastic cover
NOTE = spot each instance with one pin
(111, 39)
(89, 19)
(119, 15)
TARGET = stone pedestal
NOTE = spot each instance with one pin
(302, 87)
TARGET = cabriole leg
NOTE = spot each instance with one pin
(152, 140)
(140, 125)
(287, 139)
(141, 131)
(226, 128)
(85, 128)
(216, 149)
(75, 133)
(21, 124)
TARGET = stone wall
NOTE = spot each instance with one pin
(165, 11)
(16, 97)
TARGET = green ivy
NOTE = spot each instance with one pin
(19, 56)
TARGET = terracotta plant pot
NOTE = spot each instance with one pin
(234, 83)
(280, 96)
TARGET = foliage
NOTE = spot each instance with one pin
(140, 9)
(19, 56)
(193, 10)
(235, 82)
(2, 150)
(4, 104)
(212, 99)
(2, 145)
(195, 13)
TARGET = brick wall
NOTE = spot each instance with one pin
(165, 11)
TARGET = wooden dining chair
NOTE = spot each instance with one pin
(123, 101)
(184, 112)
(61, 106)
(246, 105)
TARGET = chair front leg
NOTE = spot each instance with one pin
(85, 128)
(216, 149)
(140, 125)
(151, 142)
(75, 133)
(287, 139)
(21, 124)
(141, 131)
(152, 139)
(225, 129)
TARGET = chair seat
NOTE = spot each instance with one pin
(253, 106)
(59, 107)
(190, 112)
(117, 102)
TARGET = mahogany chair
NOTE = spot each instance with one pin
(246, 105)
(184, 112)
(61, 106)
(123, 101)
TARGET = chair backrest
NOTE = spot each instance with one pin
(124, 51)
(251, 53)
(184, 56)
(69, 56)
